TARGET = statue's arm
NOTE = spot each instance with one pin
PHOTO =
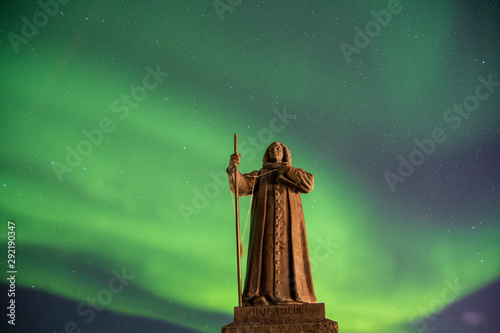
(245, 182)
(304, 181)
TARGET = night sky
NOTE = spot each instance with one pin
(116, 126)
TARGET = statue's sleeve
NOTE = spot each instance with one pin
(245, 182)
(304, 181)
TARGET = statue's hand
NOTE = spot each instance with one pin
(235, 159)
(283, 169)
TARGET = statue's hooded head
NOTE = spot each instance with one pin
(275, 155)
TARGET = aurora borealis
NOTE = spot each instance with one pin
(117, 125)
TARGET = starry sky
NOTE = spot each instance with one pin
(117, 125)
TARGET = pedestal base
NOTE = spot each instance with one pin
(303, 318)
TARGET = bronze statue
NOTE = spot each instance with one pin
(278, 266)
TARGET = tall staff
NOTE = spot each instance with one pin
(237, 208)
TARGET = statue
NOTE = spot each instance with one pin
(278, 271)
(278, 295)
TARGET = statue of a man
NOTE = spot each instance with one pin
(278, 266)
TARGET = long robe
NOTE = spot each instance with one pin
(278, 265)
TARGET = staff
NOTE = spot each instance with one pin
(237, 208)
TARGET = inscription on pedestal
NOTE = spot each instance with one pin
(274, 311)
(279, 312)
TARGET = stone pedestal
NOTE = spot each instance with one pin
(303, 318)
